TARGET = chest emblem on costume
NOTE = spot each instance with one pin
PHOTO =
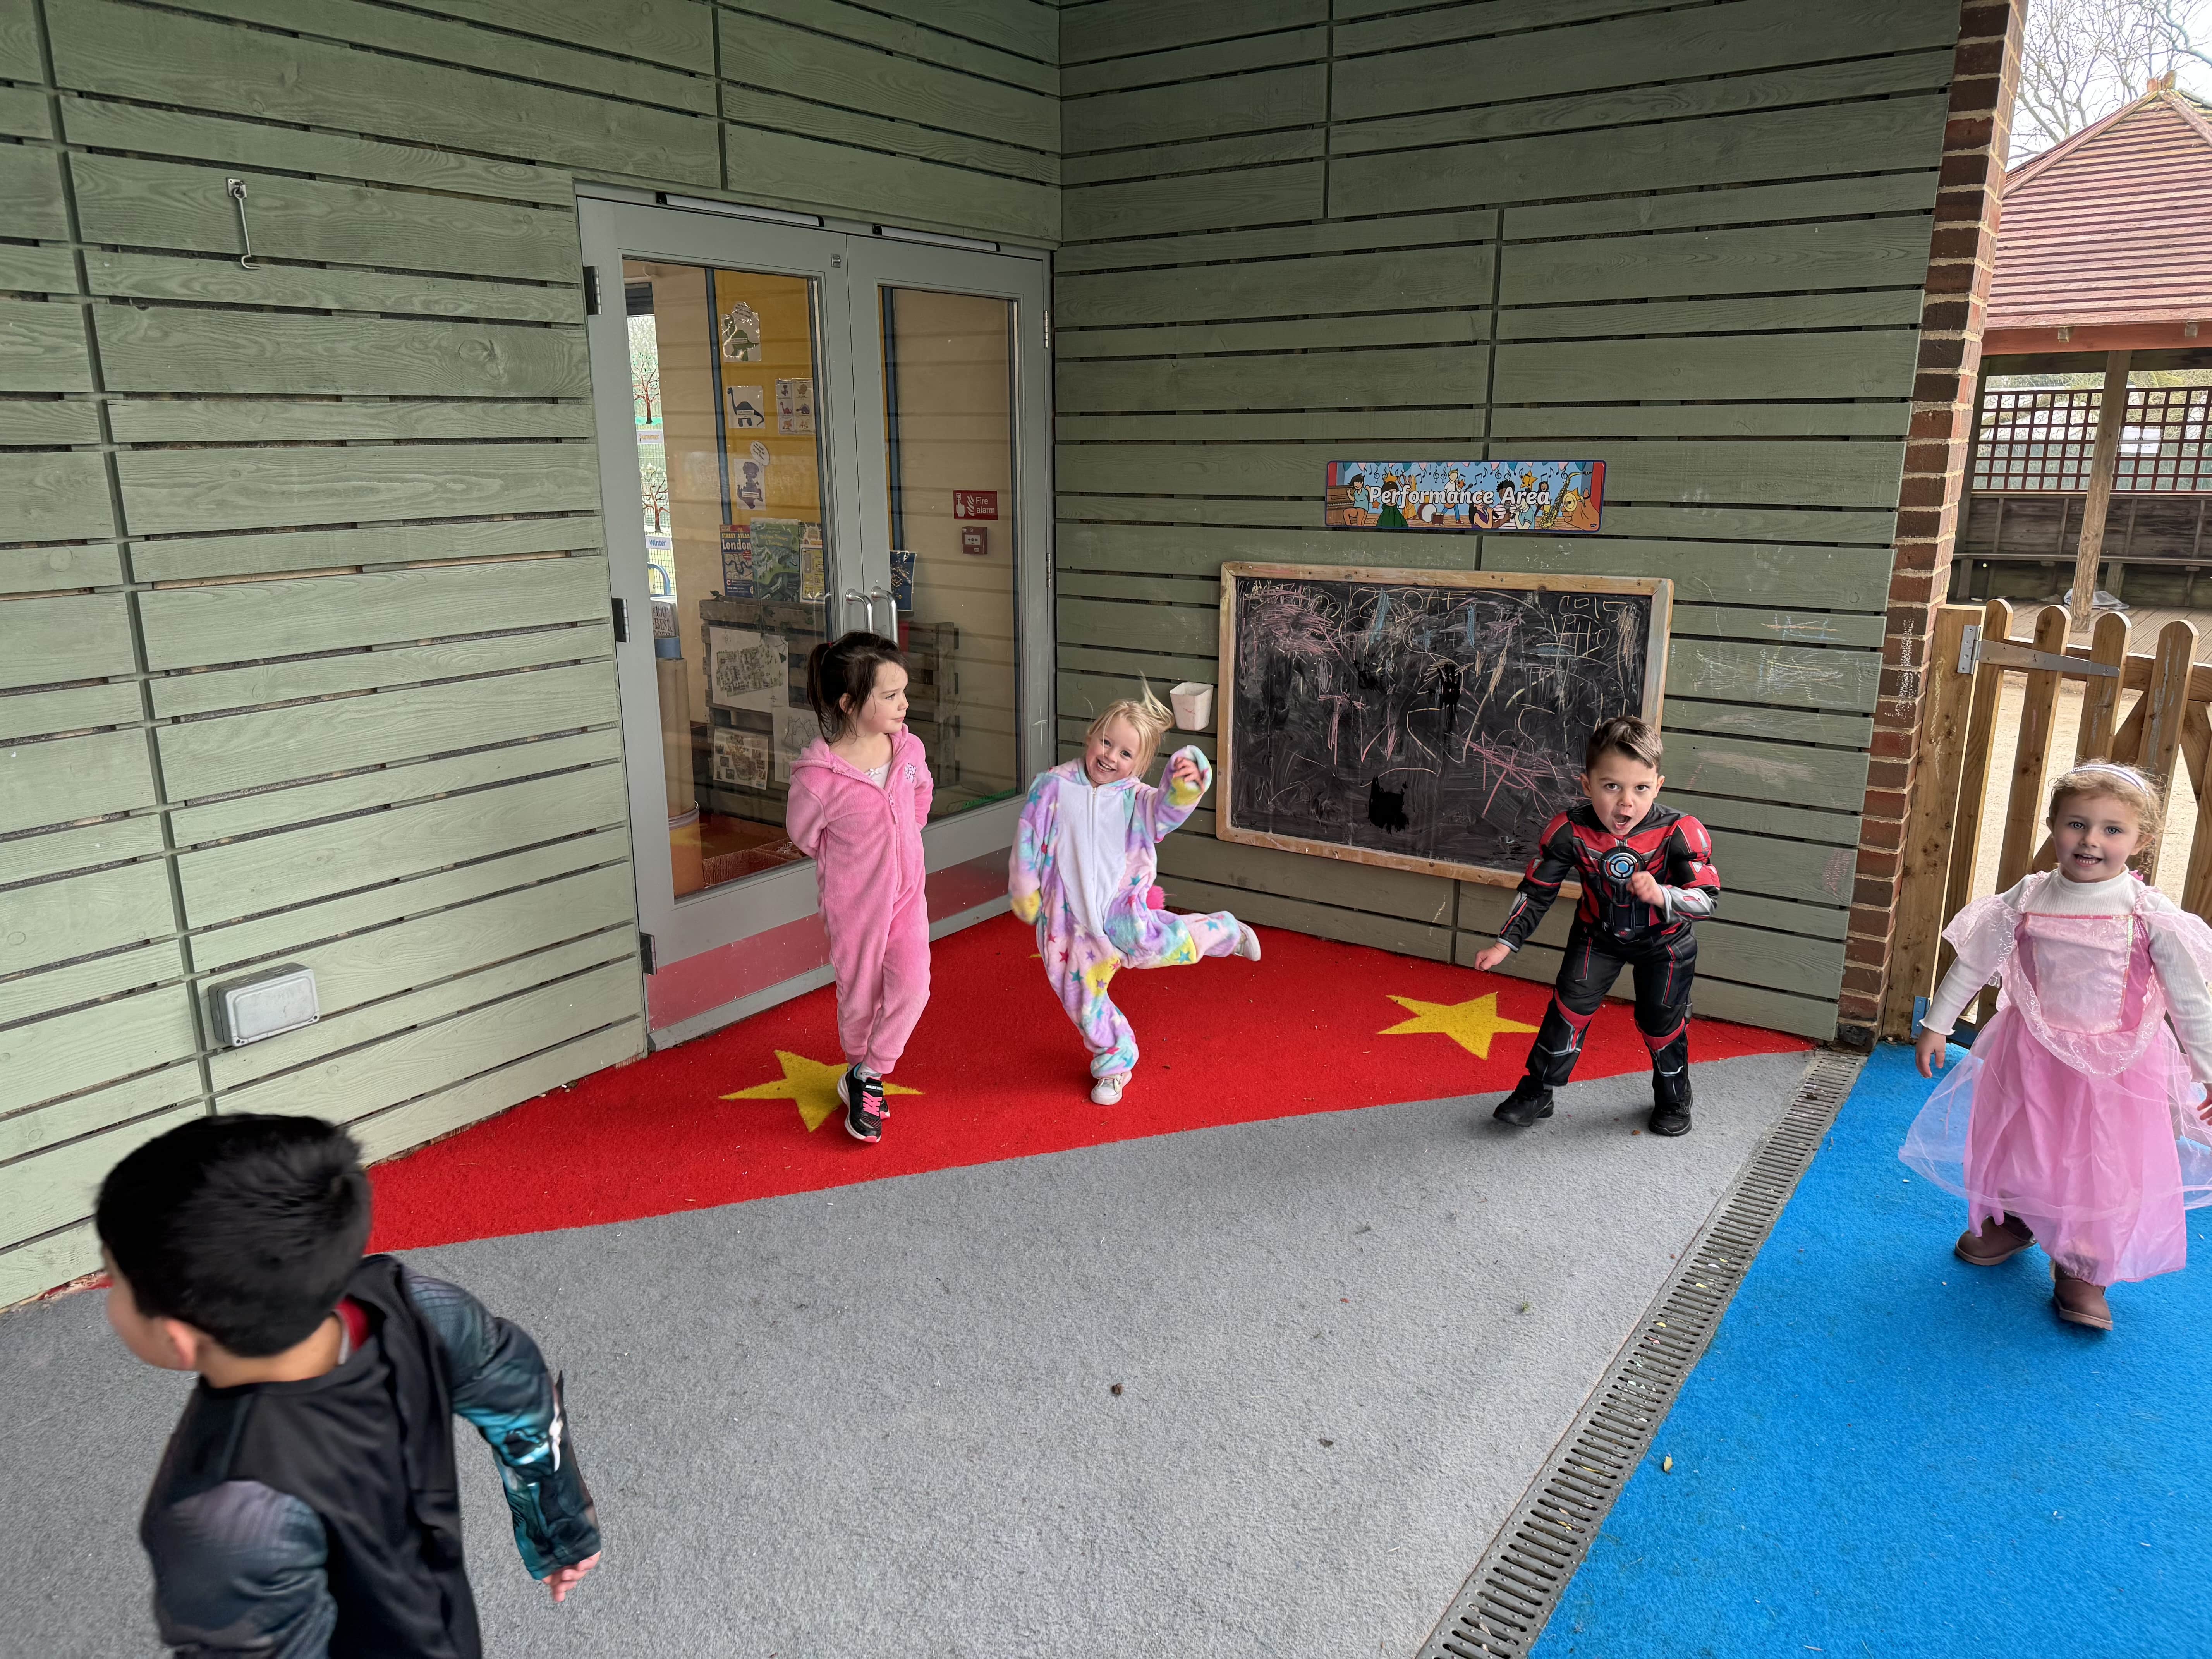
(1620, 864)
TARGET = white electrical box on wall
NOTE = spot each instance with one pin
(266, 1005)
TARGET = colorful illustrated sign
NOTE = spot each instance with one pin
(1552, 496)
(742, 759)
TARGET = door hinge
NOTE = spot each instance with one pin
(1974, 651)
(645, 953)
(622, 621)
(1047, 331)
(591, 290)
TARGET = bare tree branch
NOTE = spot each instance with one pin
(2082, 59)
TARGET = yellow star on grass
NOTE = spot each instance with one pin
(1471, 1025)
(812, 1085)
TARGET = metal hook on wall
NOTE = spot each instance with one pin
(237, 187)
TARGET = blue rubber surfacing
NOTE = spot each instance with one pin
(1888, 1454)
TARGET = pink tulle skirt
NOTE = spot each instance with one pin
(2093, 1165)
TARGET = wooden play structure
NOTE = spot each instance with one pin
(2103, 266)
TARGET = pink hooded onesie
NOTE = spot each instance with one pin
(865, 842)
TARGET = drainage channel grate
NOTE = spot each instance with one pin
(1501, 1610)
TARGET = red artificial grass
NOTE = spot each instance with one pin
(1001, 1073)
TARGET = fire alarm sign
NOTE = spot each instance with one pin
(974, 503)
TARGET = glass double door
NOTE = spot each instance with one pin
(805, 433)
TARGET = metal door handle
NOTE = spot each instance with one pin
(854, 596)
(890, 609)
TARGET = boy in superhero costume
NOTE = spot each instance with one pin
(1647, 874)
(307, 1506)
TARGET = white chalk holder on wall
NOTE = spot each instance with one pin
(1193, 701)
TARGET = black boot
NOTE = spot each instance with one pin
(1550, 1063)
(1670, 1087)
(1529, 1101)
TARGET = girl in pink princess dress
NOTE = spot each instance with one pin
(2074, 1121)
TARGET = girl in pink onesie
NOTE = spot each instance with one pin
(1084, 865)
(2073, 1122)
(859, 795)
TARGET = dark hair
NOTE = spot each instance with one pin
(244, 1226)
(846, 668)
(1624, 734)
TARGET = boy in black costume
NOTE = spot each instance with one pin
(1647, 873)
(307, 1506)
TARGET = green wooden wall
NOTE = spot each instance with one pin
(1689, 240)
(304, 642)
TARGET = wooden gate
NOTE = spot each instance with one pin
(2147, 711)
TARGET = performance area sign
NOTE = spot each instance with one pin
(1552, 496)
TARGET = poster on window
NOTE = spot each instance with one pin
(1551, 496)
(738, 561)
(794, 729)
(776, 566)
(745, 670)
(813, 570)
(742, 760)
(741, 334)
(744, 407)
(795, 405)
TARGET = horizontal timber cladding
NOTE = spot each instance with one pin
(305, 654)
(1689, 240)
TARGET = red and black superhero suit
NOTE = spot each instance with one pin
(1614, 929)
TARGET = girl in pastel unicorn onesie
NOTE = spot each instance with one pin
(1083, 866)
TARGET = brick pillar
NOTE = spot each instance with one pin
(1961, 256)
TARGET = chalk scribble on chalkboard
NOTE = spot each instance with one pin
(1435, 722)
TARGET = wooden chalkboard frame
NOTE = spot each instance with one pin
(1661, 590)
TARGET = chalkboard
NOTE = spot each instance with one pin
(1430, 721)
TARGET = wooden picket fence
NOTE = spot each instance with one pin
(2144, 710)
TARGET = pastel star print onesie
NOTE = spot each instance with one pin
(1083, 866)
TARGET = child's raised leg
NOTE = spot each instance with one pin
(1161, 939)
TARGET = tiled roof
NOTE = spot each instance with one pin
(2114, 225)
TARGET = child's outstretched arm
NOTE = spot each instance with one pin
(1189, 775)
(1032, 852)
(499, 1383)
(1540, 884)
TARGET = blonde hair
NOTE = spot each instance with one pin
(2136, 791)
(1148, 718)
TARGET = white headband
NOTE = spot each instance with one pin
(2139, 779)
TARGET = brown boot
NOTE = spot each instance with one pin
(2078, 1301)
(1997, 1241)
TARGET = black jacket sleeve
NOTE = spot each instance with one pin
(501, 1384)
